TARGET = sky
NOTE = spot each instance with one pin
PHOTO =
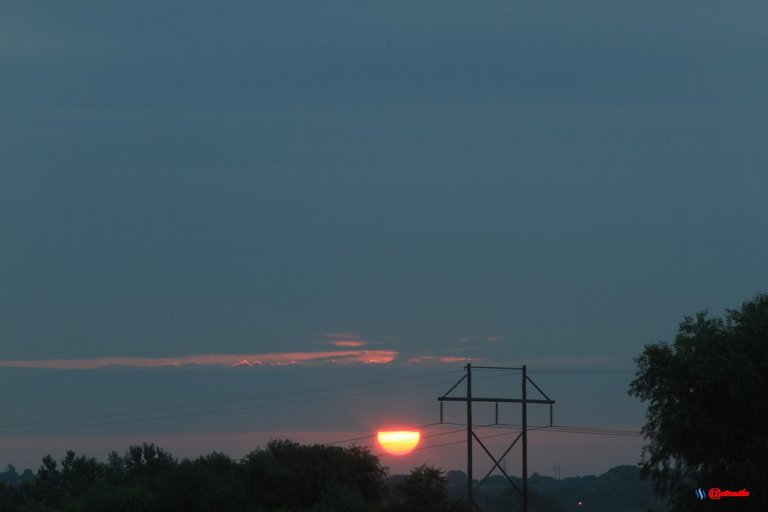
(224, 224)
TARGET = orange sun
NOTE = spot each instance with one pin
(398, 442)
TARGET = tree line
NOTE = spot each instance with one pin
(281, 477)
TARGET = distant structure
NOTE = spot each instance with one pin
(472, 437)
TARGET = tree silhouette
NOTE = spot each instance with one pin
(286, 474)
(424, 490)
(707, 411)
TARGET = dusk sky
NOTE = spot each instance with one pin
(225, 223)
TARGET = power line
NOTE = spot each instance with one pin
(369, 436)
(290, 393)
(428, 436)
(594, 371)
(222, 402)
(216, 411)
(513, 429)
(570, 429)
(452, 443)
(86, 421)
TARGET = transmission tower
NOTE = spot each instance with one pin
(472, 437)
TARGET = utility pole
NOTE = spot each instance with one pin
(472, 437)
(470, 499)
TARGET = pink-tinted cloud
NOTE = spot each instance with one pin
(273, 359)
(344, 340)
(347, 343)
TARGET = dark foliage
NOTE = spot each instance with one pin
(295, 477)
(423, 490)
(11, 477)
(619, 489)
(707, 418)
(284, 476)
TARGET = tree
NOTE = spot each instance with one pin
(424, 490)
(210, 483)
(296, 477)
(11, 477)
(707, 417)
(48, 488)
(10, 497)
(78, 473)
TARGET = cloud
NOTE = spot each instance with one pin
(344, 339)
(271, 359)
(347, 343)
(339, 357)
(246, 362)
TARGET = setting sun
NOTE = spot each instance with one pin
(399, 442)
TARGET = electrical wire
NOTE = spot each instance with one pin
(452, 443)
(39, 426)
(567, 429)
(216, 411)
(595, 371)
(513, 429)
(223, 402)
(86, 421)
